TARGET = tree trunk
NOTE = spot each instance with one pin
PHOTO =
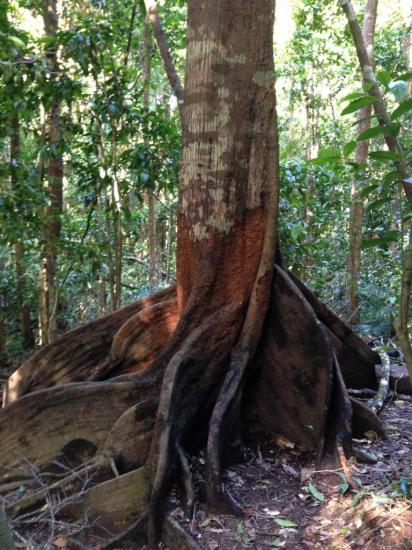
(150, 200)
(405, 176)
(356, 212)
(171, 71)
(48, 298)
(24, 312)
(240, 347)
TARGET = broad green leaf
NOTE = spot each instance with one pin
(316, 493)
(384, 77)
(285, 523)
(353, 95)
(392, 129)
(295, 231)
(377, 204)
(16, 41)
(348, 148)
(325, 156)
(403, 108)
(358, 104)
(368, 189)
(370, 133)
(391, 177)
(383, 156)
(343, 487)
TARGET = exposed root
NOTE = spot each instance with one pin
(130, 438)
(220, 375)
(132, 532)
(79, 355)
(138, 341)
(365, 420)
(174, 536)
(187, 479)
(112, 504)
(180, 406)
(71, 422)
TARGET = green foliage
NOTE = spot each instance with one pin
(116, 152)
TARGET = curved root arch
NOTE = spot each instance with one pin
(292, 386)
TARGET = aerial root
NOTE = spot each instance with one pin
(187, 479)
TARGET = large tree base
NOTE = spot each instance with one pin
(129, 394)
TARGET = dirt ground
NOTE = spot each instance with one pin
(288, 505)
(285, 502)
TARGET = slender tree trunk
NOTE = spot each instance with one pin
(356, 212)
(169, 66)
(4, 360)
(151, 205)
(101, 278)
(24, 312)
(392, 143)
(48, 297)
(408, 53)
(110, 263)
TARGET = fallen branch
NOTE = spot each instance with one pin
(383, 375)
(39, 496)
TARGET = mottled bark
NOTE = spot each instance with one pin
(356, 212)
(48, 297)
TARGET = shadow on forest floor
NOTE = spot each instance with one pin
(277, 489)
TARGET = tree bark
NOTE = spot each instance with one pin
(356, 212)
(151, 206)
(200, 366)
(48, 297)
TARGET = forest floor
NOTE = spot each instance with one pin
(287, 504)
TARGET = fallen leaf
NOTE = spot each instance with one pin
(316, 493)
(285, 523)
